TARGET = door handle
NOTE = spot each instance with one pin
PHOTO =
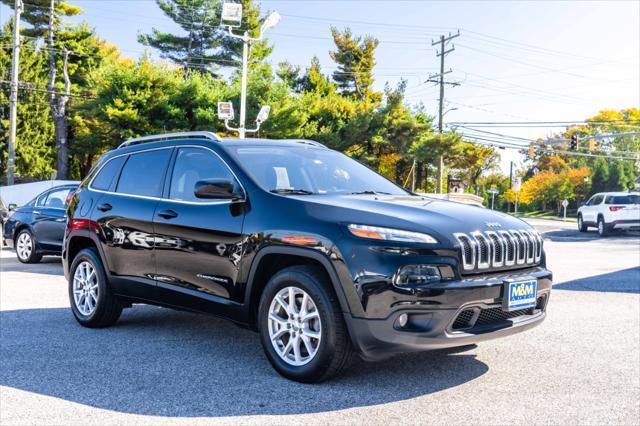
(167, 214)
(36, 212)
(104, 207)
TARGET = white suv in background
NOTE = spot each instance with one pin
(610, 210)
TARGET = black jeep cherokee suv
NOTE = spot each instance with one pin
(319, 254)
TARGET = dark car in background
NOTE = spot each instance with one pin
(37, 228)
(318, 253)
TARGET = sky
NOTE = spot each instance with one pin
(514, 60)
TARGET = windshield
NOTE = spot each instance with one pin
(306, 170)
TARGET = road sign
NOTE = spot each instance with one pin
(517, 184)
(493, 191)
(565, 203)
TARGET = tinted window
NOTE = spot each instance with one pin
(597, 199)
(143, 173)
(192, 165)
(619, 199)
(57, 199)
(41, 199)
(104, 178)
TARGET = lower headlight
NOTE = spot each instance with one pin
(416, 275)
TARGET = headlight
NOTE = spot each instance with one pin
(390, 234)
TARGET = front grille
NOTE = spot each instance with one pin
(484, 250)
(471, 318)
(493, 315)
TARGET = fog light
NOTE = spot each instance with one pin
(403, 319)
(416, 275)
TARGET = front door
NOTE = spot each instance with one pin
(199, 242)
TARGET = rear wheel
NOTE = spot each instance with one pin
(26, 247)
(92, 301)
(581, 226)
(301, 326)
(602, 227)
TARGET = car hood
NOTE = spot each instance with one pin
(415, 213)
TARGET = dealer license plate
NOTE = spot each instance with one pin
(520, 294)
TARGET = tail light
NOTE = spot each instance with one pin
(69, 197)
(82, 224)
(616, 208)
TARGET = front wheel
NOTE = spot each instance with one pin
(581, 226)
(92, 302)
(301, 326)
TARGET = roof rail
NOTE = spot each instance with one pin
(166, 136)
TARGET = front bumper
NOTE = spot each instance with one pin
(473, 314)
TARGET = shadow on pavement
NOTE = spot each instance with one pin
(167, 363)
(623, 281)
(571, 235)
(49, 265)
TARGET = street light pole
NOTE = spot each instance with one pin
(13, 96)
(243, 92)
(232, 12)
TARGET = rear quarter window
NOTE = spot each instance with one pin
(105, 176)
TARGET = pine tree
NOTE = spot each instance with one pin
(206, 46)
(355, 59)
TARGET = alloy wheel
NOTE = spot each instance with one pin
(24, 245)
(85, 288)
(295, 328)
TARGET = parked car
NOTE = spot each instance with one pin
(37, 228)
(320, 255)
(610, 211)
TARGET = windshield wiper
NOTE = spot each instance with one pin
(291, 191)
(370, 193)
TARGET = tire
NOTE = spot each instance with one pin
(581, 226)
(26, 247)
(333, 350)
(603, 229)
(98, 309)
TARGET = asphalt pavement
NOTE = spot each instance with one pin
(157, 366)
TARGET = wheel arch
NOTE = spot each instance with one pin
(78, 241)
(272, 259)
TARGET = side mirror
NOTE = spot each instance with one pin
(12, 207)
(219, 189)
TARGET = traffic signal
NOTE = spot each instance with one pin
(574, 142)
(532, 151)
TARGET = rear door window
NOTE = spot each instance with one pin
(57, 199)
(143, 173)
(105, 176)
(618, 199)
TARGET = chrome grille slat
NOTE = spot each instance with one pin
(497, 249)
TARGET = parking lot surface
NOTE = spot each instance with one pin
(157, 366)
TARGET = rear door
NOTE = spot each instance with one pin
(125, 211)
(50, 218)
(199, 243)
(590, 212)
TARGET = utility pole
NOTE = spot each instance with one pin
(13, 96)
(443, 41)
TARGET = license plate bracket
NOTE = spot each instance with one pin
(519, 294)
